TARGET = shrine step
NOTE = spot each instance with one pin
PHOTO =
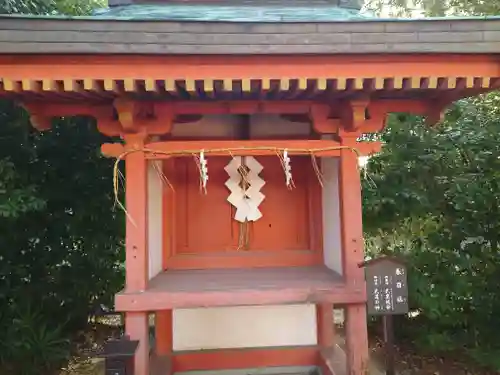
(295, 370)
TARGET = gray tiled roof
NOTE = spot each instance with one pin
(246, 11)
(259, 27)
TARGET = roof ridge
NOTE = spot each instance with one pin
(247, 11)
(349, 4)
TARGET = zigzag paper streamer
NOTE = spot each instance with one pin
(245, 200)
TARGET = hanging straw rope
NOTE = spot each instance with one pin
(244, 236)
(117, 175)
(317, 170)
(163, 178)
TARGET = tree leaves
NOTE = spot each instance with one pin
(61, 241)
(432, 195)
(433, 8)
(47, 7)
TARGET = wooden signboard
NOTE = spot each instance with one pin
(387, 295)
(387, 287)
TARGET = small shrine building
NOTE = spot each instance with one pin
(239, 123)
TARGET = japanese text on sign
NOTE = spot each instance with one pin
(387, 288)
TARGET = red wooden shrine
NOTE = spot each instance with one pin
(243, 196)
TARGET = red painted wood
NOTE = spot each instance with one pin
(164, 332)
(231, 287)
(137, 328)
(353, 255)
(238, 67)
(136, 258)
(136, 242)
(205, 223)
(325, 325)
(169, 209)
(245, 259)
(245, 358)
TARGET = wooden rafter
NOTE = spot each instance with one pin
(287, 86)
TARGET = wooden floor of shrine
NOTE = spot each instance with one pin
(233, 287)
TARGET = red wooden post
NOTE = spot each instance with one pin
(136, 260)
(163, 322)
(163, 326)
(352, 255)
(324, 316)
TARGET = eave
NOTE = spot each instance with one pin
(90, 84)
(49, 35)
(101, 79)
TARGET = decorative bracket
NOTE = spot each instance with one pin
(109, 127)
(353, 114)
(133, 118)
(126, 110)
(435, 116)
(41, 123)
(321, 121)
(39, 120)
(435, 111)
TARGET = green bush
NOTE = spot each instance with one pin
(432, 196)
(30, 345)
(62, 240)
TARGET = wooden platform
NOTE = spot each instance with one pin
(239, 287)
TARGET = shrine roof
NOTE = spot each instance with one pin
(119, 35)
(249, 27)
(243, 11)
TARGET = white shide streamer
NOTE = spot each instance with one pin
(245, 200)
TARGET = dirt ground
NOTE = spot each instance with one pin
(408, 363)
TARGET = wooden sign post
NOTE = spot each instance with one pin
(387, 295)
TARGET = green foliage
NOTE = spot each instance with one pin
(61, 240)
(46, 7)
(61, 243)
(29, 345)
(432, 196)
(405, 8)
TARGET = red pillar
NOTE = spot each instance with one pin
(163, 326)
(325, 326)
(136, 245)
(163, 321)
(352, 255)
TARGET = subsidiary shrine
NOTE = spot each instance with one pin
(240, 124)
